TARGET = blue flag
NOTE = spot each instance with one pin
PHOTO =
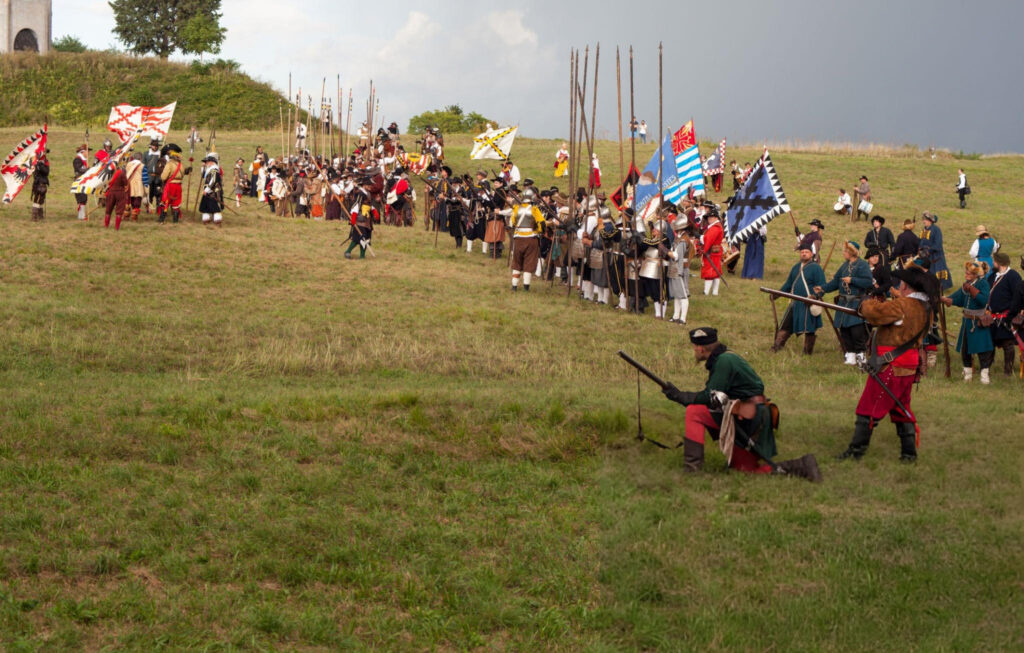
(648, 187)
(760, 201)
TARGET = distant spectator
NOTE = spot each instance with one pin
(643, 131)
(962, 189)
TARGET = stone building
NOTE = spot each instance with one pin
(26, 25)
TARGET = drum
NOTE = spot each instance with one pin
(865, 207)
(839, 207)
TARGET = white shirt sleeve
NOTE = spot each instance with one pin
(974, 247)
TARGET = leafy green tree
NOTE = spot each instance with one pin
(201, 34)
(158, 26)
(450, 120)
(68, 43)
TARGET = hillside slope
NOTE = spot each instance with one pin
(79, 89)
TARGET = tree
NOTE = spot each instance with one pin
(68, 43)
(157, 26)
(201, 34)
(451, 119)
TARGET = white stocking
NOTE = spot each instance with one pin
(707, 286)
(684, 308)
(714, 288)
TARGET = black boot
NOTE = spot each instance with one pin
(1008, 356)
(693, 456)
(860, 440)
(175, 215)
(162, 217)
(809, 339)
(908, 445)
(781, 336)
(803, 467)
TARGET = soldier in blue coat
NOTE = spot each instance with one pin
(973, 338)
(853, 280)
(931, 248)
(1004, 301)
(803, 278)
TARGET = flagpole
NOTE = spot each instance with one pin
(593, 118)
(579, 118)
(661, 133)
(338, 116)
(618, 101)
(632, 157)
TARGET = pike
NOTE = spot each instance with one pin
(191, 158)
(741, 438)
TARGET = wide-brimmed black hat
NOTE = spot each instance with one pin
(817, 223)
(919, 280)
(879, 218)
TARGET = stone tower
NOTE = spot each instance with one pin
(26, 25)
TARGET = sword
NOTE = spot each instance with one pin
(714, 267)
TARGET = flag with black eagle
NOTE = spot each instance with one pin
(757, 203)
(21, 163)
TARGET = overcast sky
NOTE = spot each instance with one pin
(946, 73)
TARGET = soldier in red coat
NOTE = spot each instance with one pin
(711, 267)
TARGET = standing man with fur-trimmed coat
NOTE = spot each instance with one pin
(900, 325)
(211, 205)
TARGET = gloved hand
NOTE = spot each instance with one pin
(677, 395)
(796, 230)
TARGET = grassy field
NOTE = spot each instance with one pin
(235, 439)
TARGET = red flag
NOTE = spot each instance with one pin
(683, 138)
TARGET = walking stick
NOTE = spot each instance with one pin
(775, 312)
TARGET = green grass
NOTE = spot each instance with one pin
(236, 439)
(80, 88)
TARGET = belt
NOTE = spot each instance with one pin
(747, 408)
(999, 316)
(974, 313)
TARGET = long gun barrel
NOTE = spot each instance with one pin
(810, 300)
(646, 372)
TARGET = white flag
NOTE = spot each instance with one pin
(494, 143)
(93, 179)
(156, 121)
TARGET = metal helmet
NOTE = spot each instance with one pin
(529, 195)
(680, 223)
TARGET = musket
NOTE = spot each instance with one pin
(811, 301)
(825, 267)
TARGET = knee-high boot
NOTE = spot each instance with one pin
(1008, 356)
(693, 456)
(860, 440)
(780, 340)
(809, 339)
(908, 444)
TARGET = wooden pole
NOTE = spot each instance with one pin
(618, 101)
(340, 109)
(661, 128)
(632, 158)
(280, 113)
(945, 340)
(593, 115)
(348, 124)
